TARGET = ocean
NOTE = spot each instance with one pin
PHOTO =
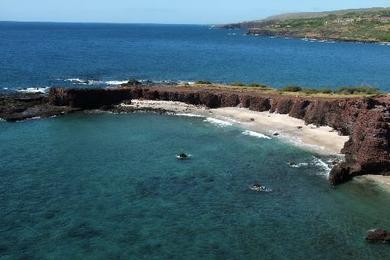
(97, 185)
(102, 186)
(38, 55)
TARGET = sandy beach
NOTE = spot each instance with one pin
(323, 140)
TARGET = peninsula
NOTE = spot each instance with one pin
(363, 25)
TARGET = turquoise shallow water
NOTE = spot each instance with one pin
(103, 186)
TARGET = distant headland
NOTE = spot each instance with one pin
(361, 25)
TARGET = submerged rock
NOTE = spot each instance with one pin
(378, 235)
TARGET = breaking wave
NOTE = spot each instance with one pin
(34, 90)
(79, 81)
(255, 134)
(218, 122)
(322, 165)
(188, 115)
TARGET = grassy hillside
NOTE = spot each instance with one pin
(367, 25)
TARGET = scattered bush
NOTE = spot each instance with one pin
(203, 82)
(358, 90)
(238, 84)
(362, 90)
(326, 91)
(256, 85)
(291, 89)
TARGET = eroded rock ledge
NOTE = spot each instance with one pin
(365, 120)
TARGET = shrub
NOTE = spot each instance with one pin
(358, 90)
(203, 82)
(291, 89)
(326, 91)
(310, 91)
(256, 85)
(239, 84)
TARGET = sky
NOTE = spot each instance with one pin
(166, 11)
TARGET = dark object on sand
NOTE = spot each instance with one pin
(378, 235)
(276, 134)
(299, 127)
(252, 119)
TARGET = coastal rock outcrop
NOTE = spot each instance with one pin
(21, 106)
(88, 98)
(378, 235)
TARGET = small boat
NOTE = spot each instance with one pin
(259, 188)
(183, 156)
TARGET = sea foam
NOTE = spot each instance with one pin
(218, 122)
(116, 82)
(188, 115)
(321, 164)
(299, 165)
(34, 90)
(255, 134)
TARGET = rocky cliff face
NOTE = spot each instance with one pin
(365, 120)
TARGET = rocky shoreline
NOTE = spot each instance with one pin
(364, 119)
(294, 35)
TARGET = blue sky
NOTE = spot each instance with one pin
(165, 11)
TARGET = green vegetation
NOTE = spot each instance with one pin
(203, 82)
(366, 25)
(292, 89)
(360, 90)
(238, 84)
(256, 85)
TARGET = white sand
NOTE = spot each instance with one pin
(322, 140)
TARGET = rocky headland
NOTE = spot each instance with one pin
(362, 25)
(364, 119)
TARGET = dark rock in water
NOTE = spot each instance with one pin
(378, 235)
(341, 173)
(132, 83)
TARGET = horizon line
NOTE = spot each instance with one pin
(118, 23)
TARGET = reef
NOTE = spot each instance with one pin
(364, 119)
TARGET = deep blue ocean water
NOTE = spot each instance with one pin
(47, 54)
(103, 186)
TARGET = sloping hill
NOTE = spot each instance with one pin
(366, 25)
